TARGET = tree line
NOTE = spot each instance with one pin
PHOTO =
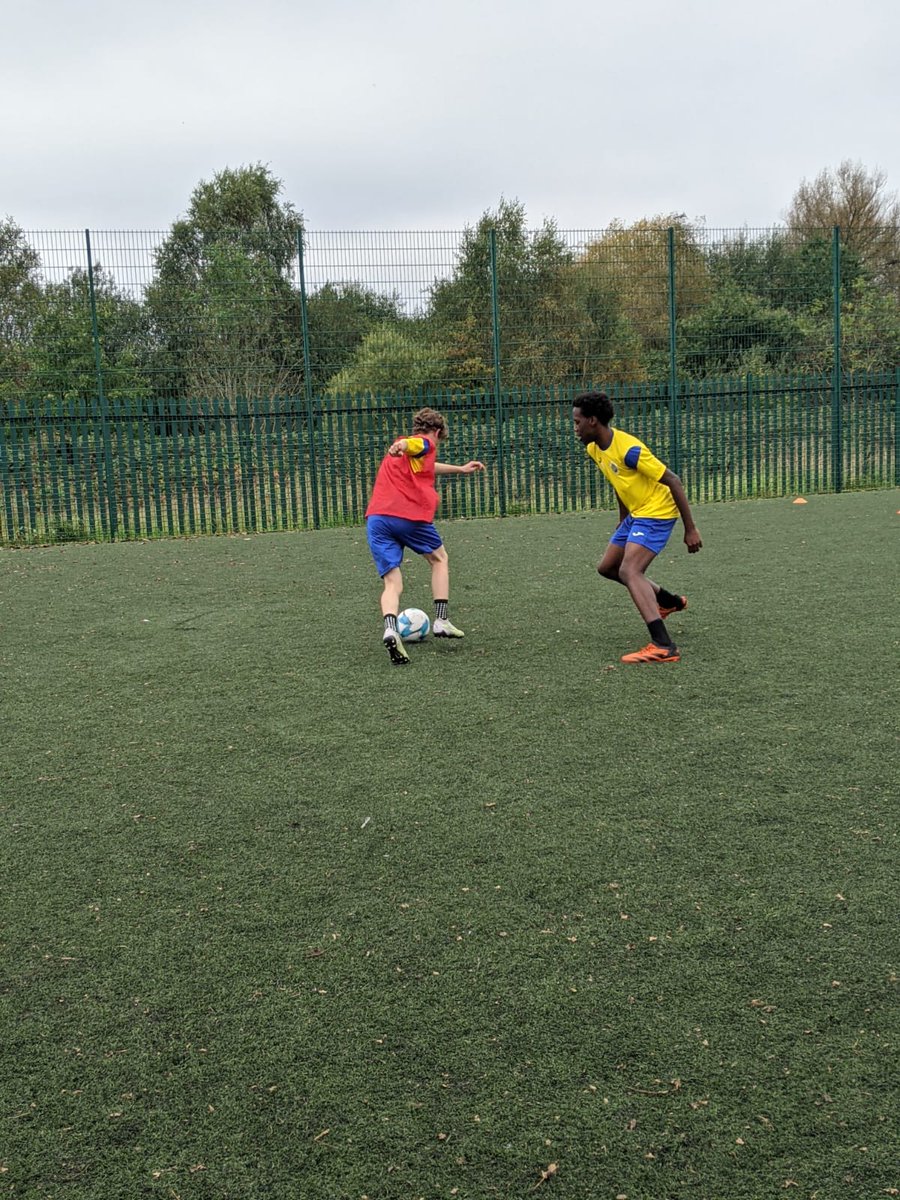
(221, 317)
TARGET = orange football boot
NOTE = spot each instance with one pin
(667, 612)
(651, 653)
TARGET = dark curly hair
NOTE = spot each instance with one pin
(595, 404)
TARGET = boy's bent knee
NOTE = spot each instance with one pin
(627, 573)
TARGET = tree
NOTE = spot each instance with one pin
(63, 363)
(340, 317)
(240, 208)
(633, 263)
(608, 346)
(390, 359)
(778, 268)
(737, 333)
(223, 300)
(855, 199)
(870, 329)
(870, 332)
(20, 291)
(535, 298)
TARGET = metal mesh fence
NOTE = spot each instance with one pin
(176, 314)
(134, 469)
(177, 382)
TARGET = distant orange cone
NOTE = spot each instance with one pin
(800, 500)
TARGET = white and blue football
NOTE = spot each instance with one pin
(413, 624)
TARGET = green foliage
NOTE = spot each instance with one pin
(240, 208)
(390, 359)
(20, 293)
(340, 316)
(870, 332)
(221, 318)
(228, 317)
(633, 263)
(608, 345)
(535, 297)
(69, 531)
(870, 329)
(736, 333)
(781, 271)
(854, 199)
(62, 358)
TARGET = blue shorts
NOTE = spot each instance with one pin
(644, 531)
(387, 537)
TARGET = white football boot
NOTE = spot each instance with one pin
(396, 649)
(444, 628)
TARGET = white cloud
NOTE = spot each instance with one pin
(403, 115)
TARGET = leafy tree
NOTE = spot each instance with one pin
(634, 263)
(390, 359)
(535, 298)
(782, 271)
(736, 333)
(340, 317)
(608, 346)
(244, 333)
(870, 332)
(223, 300)
(20, 291)
(855, 199)
(870, 329)
(63, 363)
(240, 208)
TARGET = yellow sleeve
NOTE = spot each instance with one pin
(649, 465)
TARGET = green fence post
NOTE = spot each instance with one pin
(307, 386)
(112, 511)
(498, 378)
(837, 432)
(674, 455)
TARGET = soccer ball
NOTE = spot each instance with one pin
(413, 624)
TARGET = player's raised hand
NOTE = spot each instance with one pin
(397, 448)
(474, 465)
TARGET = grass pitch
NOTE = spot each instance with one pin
(280, 920)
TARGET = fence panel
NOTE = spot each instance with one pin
(138, 469)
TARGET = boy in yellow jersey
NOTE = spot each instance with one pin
(651, 498)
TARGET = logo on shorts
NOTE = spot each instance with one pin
(638, 533)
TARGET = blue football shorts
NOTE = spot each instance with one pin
(388, 536)
(644, 531)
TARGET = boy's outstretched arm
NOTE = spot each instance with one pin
(463, 469)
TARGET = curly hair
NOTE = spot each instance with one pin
(429, 420)
(595, 404)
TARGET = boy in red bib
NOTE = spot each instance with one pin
(400, 514)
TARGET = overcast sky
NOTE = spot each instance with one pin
(389, 114)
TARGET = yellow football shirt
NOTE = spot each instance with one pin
(635, 473)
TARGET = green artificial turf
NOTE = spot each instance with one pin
(281, 920)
